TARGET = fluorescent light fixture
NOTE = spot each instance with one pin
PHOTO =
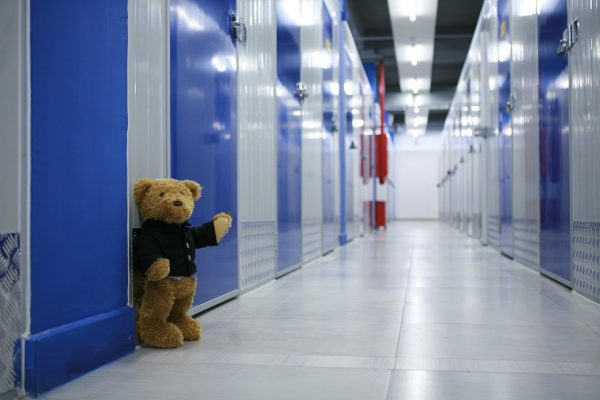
(413, 55)
(414, 85)
(358, 123)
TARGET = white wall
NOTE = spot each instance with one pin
(416, 174)
(11, 107)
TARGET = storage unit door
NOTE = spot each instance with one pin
(312, 114)
(525, 132)
(505, 128)
(203, 130)
(584, 65)
(555, 187)
(328, 159)
(289, 201)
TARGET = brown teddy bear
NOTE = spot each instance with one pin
(164, 252)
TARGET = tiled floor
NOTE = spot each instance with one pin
(417, 312)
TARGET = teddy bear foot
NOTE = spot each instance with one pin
(189, 327)
(162, 335)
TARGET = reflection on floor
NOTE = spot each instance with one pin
(417, 312)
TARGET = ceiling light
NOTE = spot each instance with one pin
(417, 109)
(414, 86)
(413, 10)
(413, 55)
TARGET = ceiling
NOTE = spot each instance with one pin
(454, 26)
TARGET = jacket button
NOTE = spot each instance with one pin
(187, 245)
(189, 257)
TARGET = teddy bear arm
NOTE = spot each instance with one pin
(158, 270)
(204, 235)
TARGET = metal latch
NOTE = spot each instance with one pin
(237, 27)
(569, 38)
(301, 91)
(510, 104)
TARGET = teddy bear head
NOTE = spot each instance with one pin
(168, 200)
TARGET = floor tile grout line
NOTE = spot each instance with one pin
(387, 391)
(578, 319)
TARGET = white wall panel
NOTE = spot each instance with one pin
(148, 97)
(13, 106)
(584, 66)
(525, 129)
(257, 163)
(312, 128)
(10, 114)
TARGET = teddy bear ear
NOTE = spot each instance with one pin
(141, 188)
(194, 187)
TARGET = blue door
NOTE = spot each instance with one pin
(289, 201)
(555, 243)
(504, 56)
(203, 129)
(329, 237)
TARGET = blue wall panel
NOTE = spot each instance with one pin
(329, 234)
(555, 205)
(289, 179)
(504, 52)
(203, 128)
(78, 185)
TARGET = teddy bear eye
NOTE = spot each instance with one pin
(162, 194)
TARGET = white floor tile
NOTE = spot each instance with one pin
(417, 312)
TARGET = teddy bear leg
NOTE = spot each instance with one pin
(152, 323)
(190, 328)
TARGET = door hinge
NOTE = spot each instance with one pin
(569, 38)
(237, 27)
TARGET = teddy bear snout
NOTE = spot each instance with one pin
(178, 203)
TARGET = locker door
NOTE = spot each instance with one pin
(329, 240)
(289, 201)
(505, 128)
(555, 204)
(584, 117)
(203, 130)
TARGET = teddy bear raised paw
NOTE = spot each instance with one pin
(164, 252)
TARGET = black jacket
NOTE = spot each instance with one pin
(176, 242)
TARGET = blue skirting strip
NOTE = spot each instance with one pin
(59, 355)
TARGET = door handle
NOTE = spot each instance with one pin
(301, 91)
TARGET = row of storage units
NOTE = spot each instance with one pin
(243, 97)
(519, 168)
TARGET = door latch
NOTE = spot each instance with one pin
(237, 27)
(510, 104)
(301, 91)
(569, 38)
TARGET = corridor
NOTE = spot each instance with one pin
(419, 311)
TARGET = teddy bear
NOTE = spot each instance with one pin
(164, 253)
